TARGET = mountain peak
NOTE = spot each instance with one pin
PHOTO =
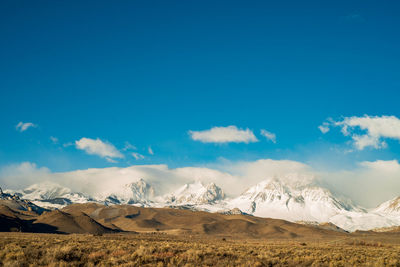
(391, 207)
(290, 201)
(196, 193)
(51, 195)
(287, 198)
(45, 190)
(132, 193)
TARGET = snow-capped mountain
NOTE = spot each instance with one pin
(294, 198)
(15, 202)
(51, 195)
(391, 207)
(48, 190)
(195, 194)
(138, 192)
(311, 203)
(275, 199)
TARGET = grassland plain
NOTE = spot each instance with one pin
(158, 249)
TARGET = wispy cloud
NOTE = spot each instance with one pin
(98, 147)
(129, 146)
(54, 139)
(324, 128)
(23, 126)
(380, 179)
(229, 134)
(111, 160)
(137, 156)
(68, 144)
(368, 131)
(270, 136)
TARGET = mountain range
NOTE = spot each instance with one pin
(290, 198)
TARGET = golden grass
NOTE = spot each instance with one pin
(23, 249)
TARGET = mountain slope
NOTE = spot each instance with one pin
(272, 198)
(293, 197)
(311, 203)
(195, 194)
(131, 218)
(17, 204)
(51, 195)
(391, 207)
(70, 223)
(139, 192)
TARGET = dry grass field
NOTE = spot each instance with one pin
(158, 249)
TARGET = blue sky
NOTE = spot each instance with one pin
(148, 72)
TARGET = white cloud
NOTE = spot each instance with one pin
(324, 128)
(54, 139)
(363, 141)
(103, 181)
(387, 166)
(253, 172)
(129, 146)
(270, 136)
(369, 131)
(385, 126)
(229, 134)
(137, 156)
(98, 147)
(17, 176)
(111, 160)
(23, 126)
(368, 184)
(150, 150)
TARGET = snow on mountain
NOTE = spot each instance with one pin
(310, 203)
(138, 192)
(293, 198)
(48, 190)
(385, 216)
(391, 207)
(195, 194)
(272, 198)
(13, 201)
(51, 195)
(352, 221)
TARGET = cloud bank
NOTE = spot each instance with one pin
(229, 134)
(368, 184)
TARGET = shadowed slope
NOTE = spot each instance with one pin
(97, 219)
(12, 220)
(131, 218)
(9, 222)
(68, 223)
